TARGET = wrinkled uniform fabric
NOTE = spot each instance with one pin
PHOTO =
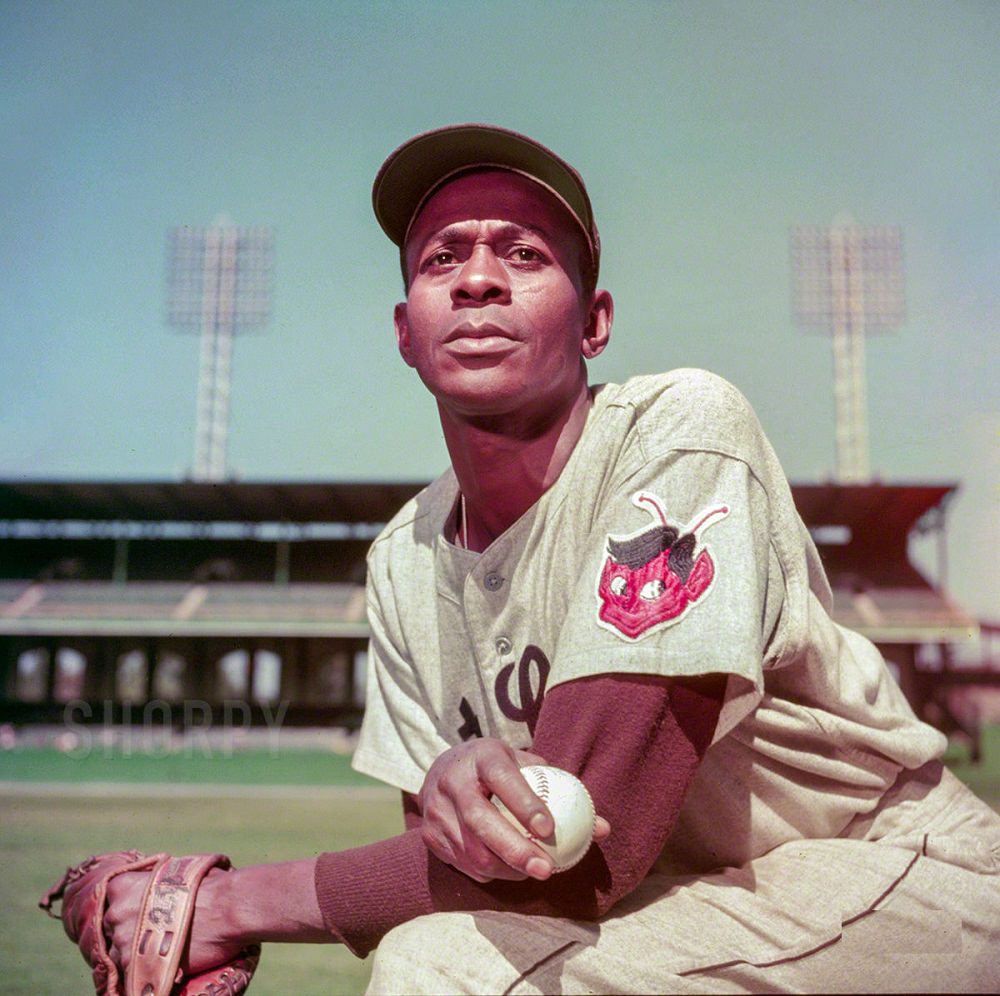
(812, 807)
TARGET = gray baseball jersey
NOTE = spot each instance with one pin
(669, 545)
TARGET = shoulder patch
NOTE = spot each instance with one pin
(652, 577)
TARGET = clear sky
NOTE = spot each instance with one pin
(705, 130)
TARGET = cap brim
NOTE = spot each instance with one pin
(418, 166)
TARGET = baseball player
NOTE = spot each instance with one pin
(612, 579)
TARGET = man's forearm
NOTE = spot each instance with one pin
(638, 777)
(273, 902)
(367, 890)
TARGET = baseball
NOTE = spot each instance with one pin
(572, 810)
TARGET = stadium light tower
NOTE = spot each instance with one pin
(219, 282)
(848, 282)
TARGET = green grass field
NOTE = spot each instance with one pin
(247, 767)
(983, 778)
(41, 833)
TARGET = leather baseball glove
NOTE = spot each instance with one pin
(161, 934)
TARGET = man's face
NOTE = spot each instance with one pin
(495, 320)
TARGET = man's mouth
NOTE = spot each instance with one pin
(479, 339)
(480, 330)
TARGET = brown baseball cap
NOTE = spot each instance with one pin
(419, 166)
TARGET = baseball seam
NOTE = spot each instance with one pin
(543, 787)
(542, 791)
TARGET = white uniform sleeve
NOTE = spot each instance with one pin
(680, 579)
(399, 739)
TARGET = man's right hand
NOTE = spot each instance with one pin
(207, 947)
(463, 828)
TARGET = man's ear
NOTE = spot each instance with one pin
(402, 332)
(598, 331)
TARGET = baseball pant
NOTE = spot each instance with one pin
(906, 900)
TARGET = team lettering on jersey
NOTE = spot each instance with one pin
(652, 577)
(518, 690)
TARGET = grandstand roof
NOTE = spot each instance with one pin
(870, 509)
(898, 505)
(201, 501)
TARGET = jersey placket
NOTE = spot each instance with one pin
(487, 597)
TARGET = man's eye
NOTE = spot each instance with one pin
(525, 254)
(438, 258)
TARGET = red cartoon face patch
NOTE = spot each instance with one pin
(652, 577)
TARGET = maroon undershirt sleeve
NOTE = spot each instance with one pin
(635, 740)
(411, 811)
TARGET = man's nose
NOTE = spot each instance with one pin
(481, 279)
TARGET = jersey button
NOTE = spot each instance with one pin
(493, 581)
(504, 646)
